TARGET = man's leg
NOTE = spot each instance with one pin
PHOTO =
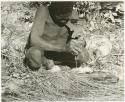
(61, 58)
(66, 58)
(35, 58)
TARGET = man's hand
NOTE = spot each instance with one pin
(68, 48)
(75, 46)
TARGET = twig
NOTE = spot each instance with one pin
(76, 61)
(118, 54)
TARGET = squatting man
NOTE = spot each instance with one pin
(50, 40)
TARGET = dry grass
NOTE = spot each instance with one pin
(21, 84)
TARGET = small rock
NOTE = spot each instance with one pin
(16, 75)
(13, 86)
(3, 90)
(28, 76)
(4, 43)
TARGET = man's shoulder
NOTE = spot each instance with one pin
(43, 8)
(43, 11)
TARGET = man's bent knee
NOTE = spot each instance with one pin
(34, 58)
(34, 52)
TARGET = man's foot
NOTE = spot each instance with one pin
(81, 69)
(55, 68)
(48, 64)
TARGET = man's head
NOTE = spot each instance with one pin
(61, 12)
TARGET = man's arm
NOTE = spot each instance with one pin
(38, 29)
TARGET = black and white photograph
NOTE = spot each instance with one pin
(62, 51)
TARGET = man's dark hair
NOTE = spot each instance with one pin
(61, 7)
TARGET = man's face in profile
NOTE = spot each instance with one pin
(62, 19)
